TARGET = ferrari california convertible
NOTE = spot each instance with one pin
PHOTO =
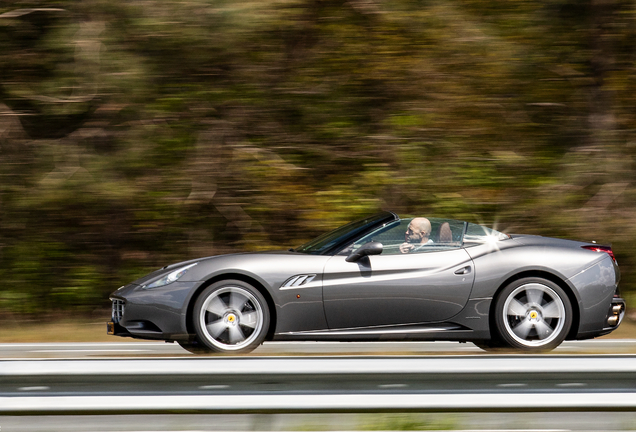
(382, 278)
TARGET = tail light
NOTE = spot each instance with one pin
(606, 249)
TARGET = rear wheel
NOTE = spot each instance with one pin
(533, 314)
(231, 317)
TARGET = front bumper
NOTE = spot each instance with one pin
(157, 314)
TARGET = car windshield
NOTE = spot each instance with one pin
(479, 234)
(340, 237)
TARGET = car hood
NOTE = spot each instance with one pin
(210, 259)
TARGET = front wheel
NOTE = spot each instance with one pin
(533, 314)
(231, 317)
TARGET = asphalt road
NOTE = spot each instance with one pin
(161, 349)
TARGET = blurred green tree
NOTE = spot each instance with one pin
(133, 134)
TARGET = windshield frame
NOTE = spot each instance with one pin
(331, 242)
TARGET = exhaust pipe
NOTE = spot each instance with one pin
(617, 309)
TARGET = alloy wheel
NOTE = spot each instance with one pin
(231, 318)
(534, 315)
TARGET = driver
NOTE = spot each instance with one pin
(416, 235)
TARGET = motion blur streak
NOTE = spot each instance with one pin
(138, 133)
(494, 422)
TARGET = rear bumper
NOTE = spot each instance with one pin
(615, 315)
(613, 319)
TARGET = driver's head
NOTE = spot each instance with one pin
(419, 230)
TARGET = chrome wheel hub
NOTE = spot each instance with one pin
(230, 319)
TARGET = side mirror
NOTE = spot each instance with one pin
(371, 248)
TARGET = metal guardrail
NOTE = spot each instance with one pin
(357, 365)
(319, 403)
(327, 384)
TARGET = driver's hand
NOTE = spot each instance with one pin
(406, 247)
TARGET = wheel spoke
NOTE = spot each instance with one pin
(216, 306)
(534, 295)
(523, 329)
(551, 310)
(236, 334)
(237, 301)
(516, 308)
(543, 329)
(249, 319)
(215, 328)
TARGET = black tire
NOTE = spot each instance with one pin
(533, 314)
(194, 347)
(231, 317)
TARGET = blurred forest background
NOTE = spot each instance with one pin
(138, 133)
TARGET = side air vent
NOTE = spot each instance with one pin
(298, 280)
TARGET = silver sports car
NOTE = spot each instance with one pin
(382, 278)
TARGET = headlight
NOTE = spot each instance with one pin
(170, 277)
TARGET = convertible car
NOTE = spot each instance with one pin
(382, 278)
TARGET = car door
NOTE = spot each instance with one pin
(430, 285)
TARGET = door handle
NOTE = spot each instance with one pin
(463, 270)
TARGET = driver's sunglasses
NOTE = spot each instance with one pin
(423, 234)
